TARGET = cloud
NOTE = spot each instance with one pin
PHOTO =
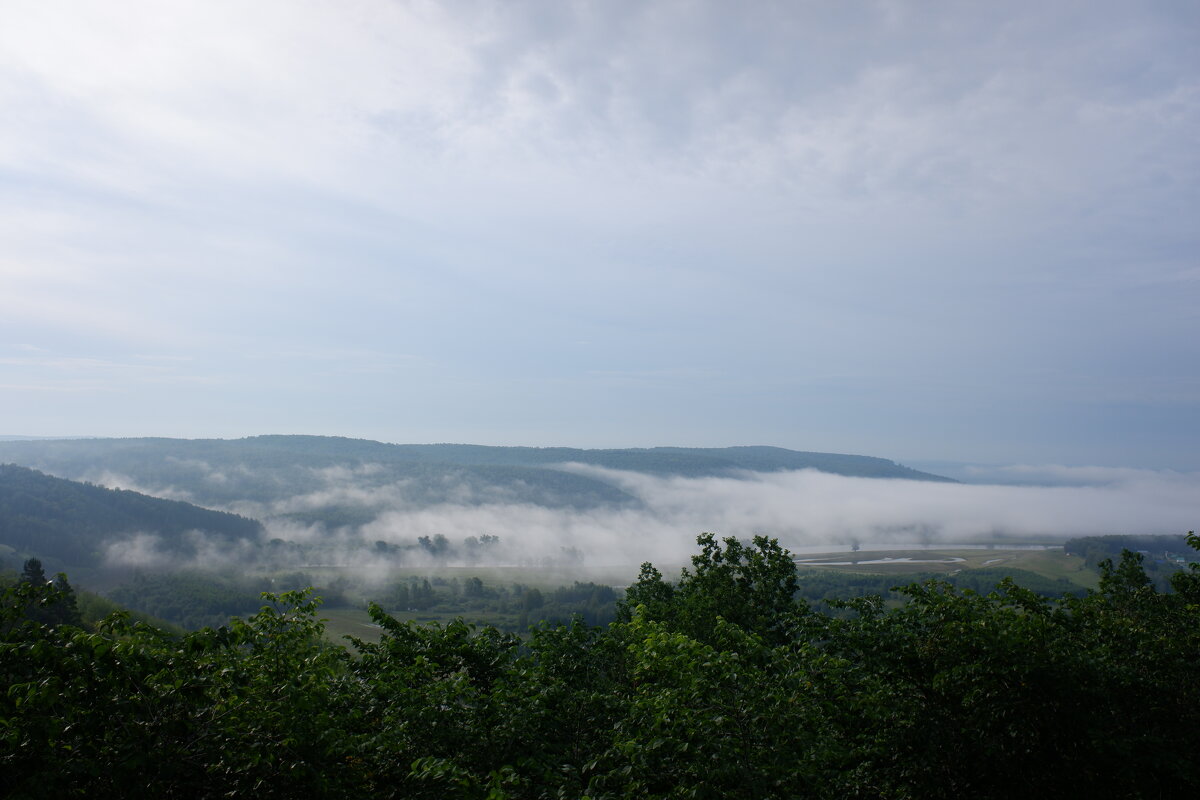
(809, 508)
(115, 480)
(979, 214)
(193, 550)
(983, 104)
(805, 510)
(1061, 475)
(141, 550)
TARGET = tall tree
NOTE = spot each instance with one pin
(33, 573)
(66, 608)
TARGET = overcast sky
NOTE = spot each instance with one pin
(961, 231)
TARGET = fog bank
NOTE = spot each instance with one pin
(802, 509)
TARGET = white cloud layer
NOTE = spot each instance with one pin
(806, 510)
(809, 509)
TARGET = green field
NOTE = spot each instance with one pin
(1052, 563)
(356, 622)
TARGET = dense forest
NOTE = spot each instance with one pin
(192, 599)
(721, 683)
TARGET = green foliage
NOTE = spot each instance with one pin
(753, 587)
(510, 608)
(1163, 556)
(191, 599)
(720, 685)
(42, 601)
(247, 709)
(33, 572)
(825, 589)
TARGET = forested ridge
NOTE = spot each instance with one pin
(70, 522)
(258, 452)
(223, 473)
(718, 684)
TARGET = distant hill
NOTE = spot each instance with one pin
(179, 461)
(69, 523)
(338, 482)
(683, 461)
(268, 470)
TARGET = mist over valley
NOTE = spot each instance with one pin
(370, 507)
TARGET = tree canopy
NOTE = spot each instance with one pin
(718, 684)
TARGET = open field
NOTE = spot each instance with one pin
(340, 622)
(1050, 563)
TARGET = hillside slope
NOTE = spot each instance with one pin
(70, 523)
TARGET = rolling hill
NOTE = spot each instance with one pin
(69, 524)
(265, 469)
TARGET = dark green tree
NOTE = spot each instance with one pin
(753, 587)
(66, 608)
(33, 572)
(716, 686)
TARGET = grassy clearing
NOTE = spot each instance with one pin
(340, 622)
(1053, 563)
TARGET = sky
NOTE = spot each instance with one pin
(924, 231)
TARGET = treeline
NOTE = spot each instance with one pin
(1163, 555)
(1094, 549)
(718, 684)
(511, 608)
(826, 590)
(439, 549)
(71, 606)
(195, 599)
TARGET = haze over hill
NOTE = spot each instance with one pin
(265, 469)
(338, 500)
(74, 524)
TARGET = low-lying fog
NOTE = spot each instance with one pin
(804, 510)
